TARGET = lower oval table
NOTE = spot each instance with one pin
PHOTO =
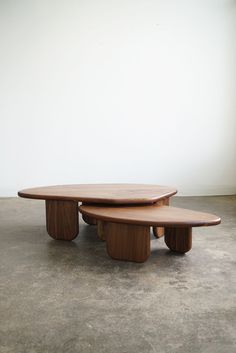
(126, 229)
(62, 201)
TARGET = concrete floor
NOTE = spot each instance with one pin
(71, 297)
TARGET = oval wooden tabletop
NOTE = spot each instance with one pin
(151, 215)
(101, 193)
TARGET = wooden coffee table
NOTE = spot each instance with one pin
(62, 202)
(126, 229)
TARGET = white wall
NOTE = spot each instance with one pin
(118, 91)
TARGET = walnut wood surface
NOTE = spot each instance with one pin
(127, 242)
(101, 230)
(178, 239)
(101, 193)
(158, 232)
(89, 220)
(62, 219)
(151, 215)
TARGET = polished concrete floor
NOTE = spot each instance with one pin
(71, 297)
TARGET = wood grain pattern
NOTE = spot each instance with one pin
(158, 232)
(128, 242)
(101, 230)
(89, 220)
(101, 193)
(62, 219)
(152, 215)
(179, 239)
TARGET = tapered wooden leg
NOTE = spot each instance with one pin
(89, 220)
(178, 239)
(158, 232)
(62, 219)
(101, 229)
(127, 242)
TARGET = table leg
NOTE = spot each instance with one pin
(127, 242)
(62, 219)
(179, 239)
(89, 220)
(158, 232)
(101, 230)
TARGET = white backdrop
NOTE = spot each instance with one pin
(118, 91)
